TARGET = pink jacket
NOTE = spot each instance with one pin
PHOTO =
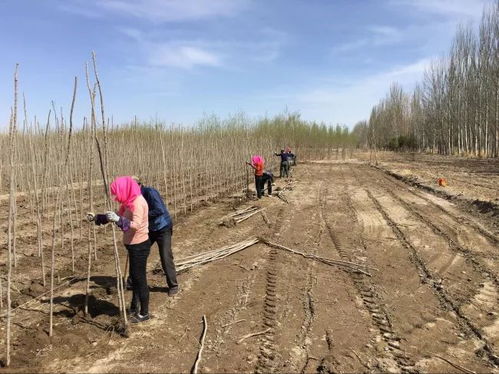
(139, 222)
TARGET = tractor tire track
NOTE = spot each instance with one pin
(309, 302)
(391, 177)
(267, 357)
(372, 301)
(472, 257)
(431, 280)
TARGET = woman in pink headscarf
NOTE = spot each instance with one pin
(132, 219)
(258, 164)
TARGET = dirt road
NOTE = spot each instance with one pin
(430, 303)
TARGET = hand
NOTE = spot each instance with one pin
(112, 217)
(90, 217)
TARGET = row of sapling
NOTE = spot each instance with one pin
(188, 165)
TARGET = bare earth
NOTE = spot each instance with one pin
(430, 304)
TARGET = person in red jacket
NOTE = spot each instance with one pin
(258, 164)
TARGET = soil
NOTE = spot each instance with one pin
(428, 303)
(472, 183)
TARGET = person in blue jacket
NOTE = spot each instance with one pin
(160, 232)
(284, 167)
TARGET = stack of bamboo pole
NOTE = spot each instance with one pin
(240, 216)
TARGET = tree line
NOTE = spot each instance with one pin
(454, 110)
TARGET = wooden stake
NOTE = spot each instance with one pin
(233, 323)
(201, 347)
(104, 170)
(352, 266)
(456, 365)
(12, 146)
(253, 334)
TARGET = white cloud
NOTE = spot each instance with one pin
(449, 8)
(158, 10)
(78, 8)
(182, 56)
(377, 36)
(132, 33)
(386, 35)
(351, 100)
(351, 46)
(152, 50)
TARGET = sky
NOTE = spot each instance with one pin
(181, 60)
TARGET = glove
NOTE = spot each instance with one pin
(100, 219)
(112, 217)
(122, 222)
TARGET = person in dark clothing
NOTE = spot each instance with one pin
(138, 263)
(268, 178)
(160, 232)
(284, 168)
(291, 158)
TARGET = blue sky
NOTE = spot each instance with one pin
(178, 60)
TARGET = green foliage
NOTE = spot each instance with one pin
(291, 130)
(402, 143)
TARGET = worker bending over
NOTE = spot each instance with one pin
(268, 178)
(160, 232)
(132, 219)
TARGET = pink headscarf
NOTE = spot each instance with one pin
(125, 190)
(257, 159)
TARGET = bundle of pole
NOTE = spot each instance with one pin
(216, 254)
(240, 216)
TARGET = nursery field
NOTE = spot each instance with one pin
(393, 276)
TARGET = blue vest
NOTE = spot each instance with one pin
(159, 218)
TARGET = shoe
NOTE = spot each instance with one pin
(173, 291)
(129, 284)
(139, 318)
(132, 310)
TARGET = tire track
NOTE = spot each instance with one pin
(458, 219)
(267, 358)
(428, 278)
(371, 300)
(309, 302)
(470, 256)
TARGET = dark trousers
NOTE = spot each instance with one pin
(138, 254)
(259, 185)
(284, 171)
(267, 179)
(164, 239)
